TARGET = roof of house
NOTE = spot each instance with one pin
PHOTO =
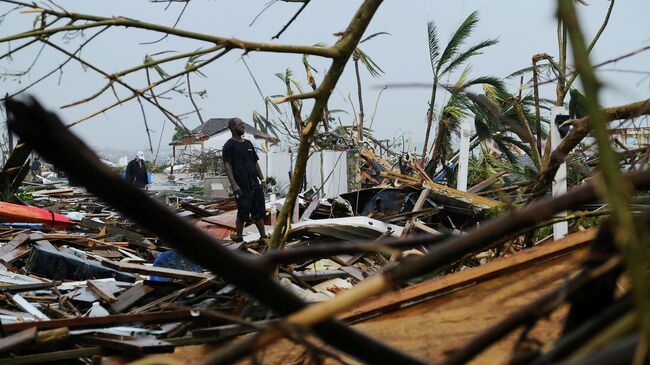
(218, 125)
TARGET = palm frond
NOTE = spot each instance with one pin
(280, 76)
(373, 36)
(457, 40)
(494, 83)
(297, 85)
(474, 50)
(434, 48)
(372, 67)
(264, 124)
(522, 71)
(463, 78)
(506, 150)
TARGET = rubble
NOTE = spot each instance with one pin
(130, 274)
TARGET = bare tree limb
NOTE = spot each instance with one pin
(593, 41)
(307, 95)
(196, 107)
(98, 21)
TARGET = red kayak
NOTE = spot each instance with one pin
(14, 213)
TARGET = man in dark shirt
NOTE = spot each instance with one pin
(136, 172)
(245, 175)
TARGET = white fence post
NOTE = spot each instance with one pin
(560, 229)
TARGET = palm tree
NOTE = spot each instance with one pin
(449, 60)
(374, 70)
(459, 107)
(296, 105)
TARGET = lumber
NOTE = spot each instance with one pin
(100, 322)
(129, 345)
(130, 297)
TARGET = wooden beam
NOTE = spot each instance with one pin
(48, 357)
(154, 270)
(129, 345)
(102, 322)
(130, 297)
(203, 284)
(100, 289)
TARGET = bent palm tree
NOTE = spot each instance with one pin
(457, 108)
(451, 58)
(373, 69)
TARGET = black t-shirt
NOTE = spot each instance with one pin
(243, 159)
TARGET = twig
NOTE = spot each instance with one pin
(14, 50)
(146, 125)
(374, 112)
(178, 19)
(293, 18)
(165, 60)
(594, 40)
(98, 21)
(60, 67)
(306, 95)
(196, 107)
(141, 92)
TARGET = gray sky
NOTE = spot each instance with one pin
(524, 28)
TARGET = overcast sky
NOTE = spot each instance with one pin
(523, 27)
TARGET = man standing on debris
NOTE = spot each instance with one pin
(136, 172)
(246, 178)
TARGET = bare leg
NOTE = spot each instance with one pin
(259, 223)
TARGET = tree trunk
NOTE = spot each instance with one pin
(360, 125)
(432, 104)
(344, 48)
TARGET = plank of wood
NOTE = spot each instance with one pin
(113, 230)
(424, 194)
(16, 254)
(100, 289)
(472, 276)
(486, 183)
(130, 297)
(18, 340)
(421, 226)
(154, 270)
(48, 357)
(8, 247)
(129, 345)
(29, 308)
(310, 208)
(231, 330)
(62, 191)
(26, 287)
(203, 284)
(101, 322)
(108, 254)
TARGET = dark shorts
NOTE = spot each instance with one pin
(250, 205)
